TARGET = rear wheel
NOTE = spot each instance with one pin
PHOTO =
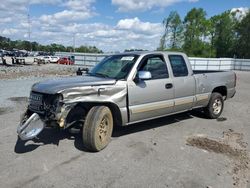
(97, 128)
(215, 106)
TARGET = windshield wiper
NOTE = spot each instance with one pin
(99, 75)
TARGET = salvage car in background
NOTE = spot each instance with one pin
(66, 60)
(124, 89)
(51, 59)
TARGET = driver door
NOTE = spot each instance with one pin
(153, 97)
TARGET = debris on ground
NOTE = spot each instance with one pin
(231, 145)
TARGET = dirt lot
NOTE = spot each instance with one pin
(184, 150)
(24, 71)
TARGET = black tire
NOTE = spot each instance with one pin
(97, 129)
(215, 106)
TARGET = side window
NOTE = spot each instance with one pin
(156, 66)
(178, 65)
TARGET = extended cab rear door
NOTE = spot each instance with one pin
(154, 97)
(183, 82)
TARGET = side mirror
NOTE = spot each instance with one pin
(144, 75)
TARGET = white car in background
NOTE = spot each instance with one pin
(51, 59)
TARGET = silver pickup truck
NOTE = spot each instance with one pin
(121, 90)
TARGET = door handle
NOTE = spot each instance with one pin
(168, 86)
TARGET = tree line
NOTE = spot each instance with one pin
(8, 44)
(223, 35)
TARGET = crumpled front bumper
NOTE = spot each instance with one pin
(31, 127)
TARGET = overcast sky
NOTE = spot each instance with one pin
(111, 25)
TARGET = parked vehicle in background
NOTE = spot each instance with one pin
(9, 53)
(124, 89)
(33, 53)
(66, 60)
(54, 59)
(51, 59)
(20, 53)
(46, 59)
(14, 53)
(39, 59)
(40, 53)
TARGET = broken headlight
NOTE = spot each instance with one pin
(53, 102)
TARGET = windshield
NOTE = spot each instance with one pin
(115, 66)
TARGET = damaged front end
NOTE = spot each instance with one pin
(31, 127)
(65, 107)
(43, 110)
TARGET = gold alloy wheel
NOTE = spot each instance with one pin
(98, 128)
(103, 129)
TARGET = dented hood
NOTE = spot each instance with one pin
(53, 86)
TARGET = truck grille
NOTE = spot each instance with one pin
(36, 102)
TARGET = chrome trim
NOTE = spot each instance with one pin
(30, 128)
(156, 117)
(183, 101)
(201, 97)
(151, 106)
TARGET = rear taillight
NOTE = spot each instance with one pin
(235, 79)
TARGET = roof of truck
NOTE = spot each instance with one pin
(150, 52)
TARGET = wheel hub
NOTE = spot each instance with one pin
(217, 106)
(103, 129)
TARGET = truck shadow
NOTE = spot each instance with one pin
(151, 124)
(54, 136)
(47, 137)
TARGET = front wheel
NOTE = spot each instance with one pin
(215, 106)
(97, 128)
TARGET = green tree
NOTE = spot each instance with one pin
(172, 31)
(7, 44)
(4, 42)
(196, 42)
(223, 34)
(69, 49)
(88, 49)
(243, 37)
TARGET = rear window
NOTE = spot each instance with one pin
(178, 65)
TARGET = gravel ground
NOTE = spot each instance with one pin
(26, 71)
(182, 151)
